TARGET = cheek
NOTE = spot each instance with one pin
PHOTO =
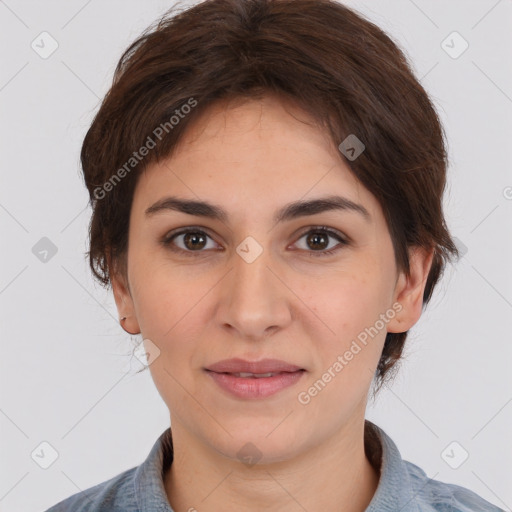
(349, 302)
(351, 308)
(171, 318)
(165, 295)
(173, 307)
(348, 356)
(168, 313)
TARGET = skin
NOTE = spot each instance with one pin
(252, 158)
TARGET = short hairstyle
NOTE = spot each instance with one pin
(324, 57)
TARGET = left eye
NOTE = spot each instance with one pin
(320, 236)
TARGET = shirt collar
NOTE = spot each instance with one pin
(149, 476)
(394, 491)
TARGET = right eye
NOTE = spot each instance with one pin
(193, 240)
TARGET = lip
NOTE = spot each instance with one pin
(255, 387)
(238, 365)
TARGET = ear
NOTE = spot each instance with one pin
(409, 290)
(123, 298)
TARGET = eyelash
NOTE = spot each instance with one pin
(168, 239)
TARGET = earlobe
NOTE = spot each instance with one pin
(125, 329)
(409, 290)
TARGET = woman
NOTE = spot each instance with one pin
(266, 180)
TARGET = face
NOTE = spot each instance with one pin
(304, 290)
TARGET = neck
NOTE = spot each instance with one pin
(336, 475)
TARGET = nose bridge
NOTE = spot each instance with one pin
(251, 274)
(251, 279)
(255, 299)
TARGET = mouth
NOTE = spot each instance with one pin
(249, 385)
(248, 375)
(237, 366)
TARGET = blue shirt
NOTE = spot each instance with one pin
(403, 486)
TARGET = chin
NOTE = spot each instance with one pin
(261, 444)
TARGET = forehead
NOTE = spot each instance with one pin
(249, 155)
(271, 123)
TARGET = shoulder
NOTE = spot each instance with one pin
(405, 486)
(138, 488)
(436, 496)
(114, 495)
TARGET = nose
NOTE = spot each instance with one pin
(254, 302)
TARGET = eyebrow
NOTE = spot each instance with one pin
(290, 211)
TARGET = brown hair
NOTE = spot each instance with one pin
(329, 60)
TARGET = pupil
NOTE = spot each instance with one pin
(314, 238)
(193, 237)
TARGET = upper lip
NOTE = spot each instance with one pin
(238, 365)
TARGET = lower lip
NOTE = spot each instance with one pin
(252, 387)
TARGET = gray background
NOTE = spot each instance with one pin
(67, 375)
